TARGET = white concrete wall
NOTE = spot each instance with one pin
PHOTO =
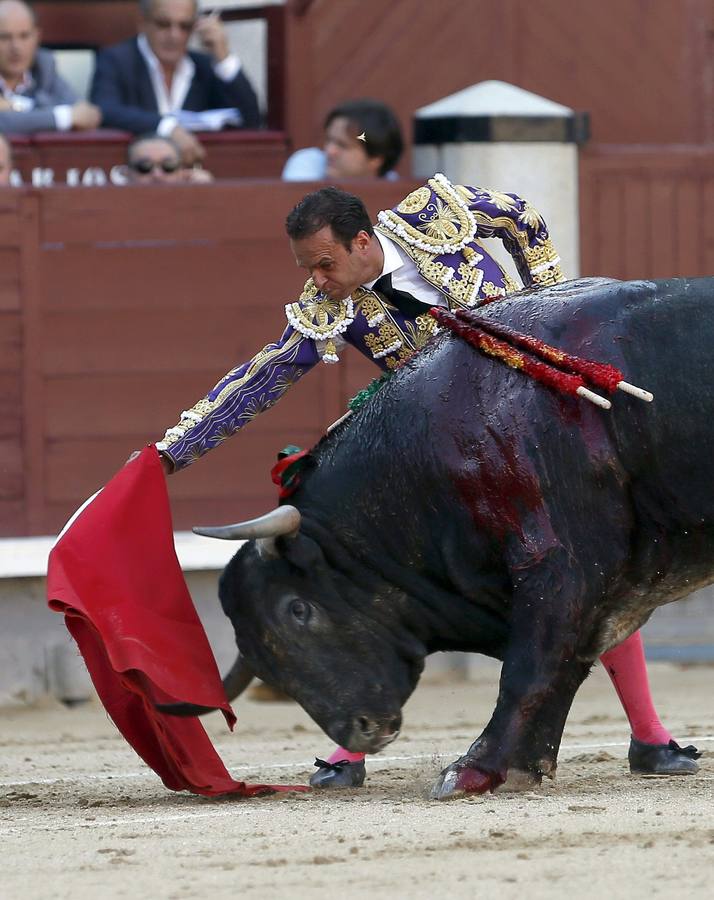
(38, 657)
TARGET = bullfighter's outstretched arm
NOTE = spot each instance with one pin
(522, 230)
(240, 395)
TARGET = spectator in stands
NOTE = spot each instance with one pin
(362, 140)
(33, 97)
(5, 161)
(152, 159)
(146, 83)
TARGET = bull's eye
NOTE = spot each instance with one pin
(300, 611)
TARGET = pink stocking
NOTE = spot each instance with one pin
(341, 754)
(627, 669)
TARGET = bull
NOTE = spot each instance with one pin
(466, 507)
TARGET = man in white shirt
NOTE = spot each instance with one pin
(363, 139)
(151, 82)
(33, 97)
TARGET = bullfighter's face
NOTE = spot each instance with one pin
(337, 269)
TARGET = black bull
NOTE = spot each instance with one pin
(466, 507)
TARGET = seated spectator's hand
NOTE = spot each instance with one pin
(192, 150)
(4, 104)
(85, 116)
(197, 175)
(212, 34)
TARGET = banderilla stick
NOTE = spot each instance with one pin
(511, 356)
(602, 375)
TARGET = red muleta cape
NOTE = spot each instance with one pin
(115, 576)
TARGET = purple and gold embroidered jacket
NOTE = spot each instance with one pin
(439, 226)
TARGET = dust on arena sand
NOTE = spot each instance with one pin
(82, 817)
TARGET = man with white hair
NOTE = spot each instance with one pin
(33, 97)
(146, 83)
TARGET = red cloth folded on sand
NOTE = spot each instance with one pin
(115, 576)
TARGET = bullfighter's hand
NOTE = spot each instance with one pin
(192, 150)
(4, 104)
(85, 116)
(213, 36)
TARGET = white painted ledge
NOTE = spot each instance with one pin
(27, 557)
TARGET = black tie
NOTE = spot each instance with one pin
(405, 302)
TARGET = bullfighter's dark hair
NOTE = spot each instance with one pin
(381, 129)
(345, 214)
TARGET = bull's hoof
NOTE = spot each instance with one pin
(519, 781)
(662, 759)
(342, 774)
(462, 778)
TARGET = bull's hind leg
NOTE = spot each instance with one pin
(540, 676)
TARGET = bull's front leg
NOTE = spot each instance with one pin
(540, 676)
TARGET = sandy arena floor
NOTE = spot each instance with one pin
(81, 816)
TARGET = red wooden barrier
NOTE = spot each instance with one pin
(647, 212)
(230, 154)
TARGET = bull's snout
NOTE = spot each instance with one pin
(372, 734)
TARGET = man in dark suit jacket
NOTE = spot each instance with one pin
(144, 84)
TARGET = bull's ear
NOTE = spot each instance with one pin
(301, 551)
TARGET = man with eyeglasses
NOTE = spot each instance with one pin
(147, 83)
(152, 159)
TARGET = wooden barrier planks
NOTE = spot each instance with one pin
(229, 154)
(646, 212)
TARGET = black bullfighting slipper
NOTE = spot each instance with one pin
(342, 774)
(662, 759)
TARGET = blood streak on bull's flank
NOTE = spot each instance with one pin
(497, 489)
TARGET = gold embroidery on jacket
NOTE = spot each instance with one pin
(387, 340)
(512, 287)
(544, 263)
(446, 223)
(415, 201)
(317, 316)
(370, 305)
(261, 401)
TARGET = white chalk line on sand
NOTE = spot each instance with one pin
(215, 812)
(375, 762)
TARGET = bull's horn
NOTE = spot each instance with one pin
(285, 520)
(234, 683)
